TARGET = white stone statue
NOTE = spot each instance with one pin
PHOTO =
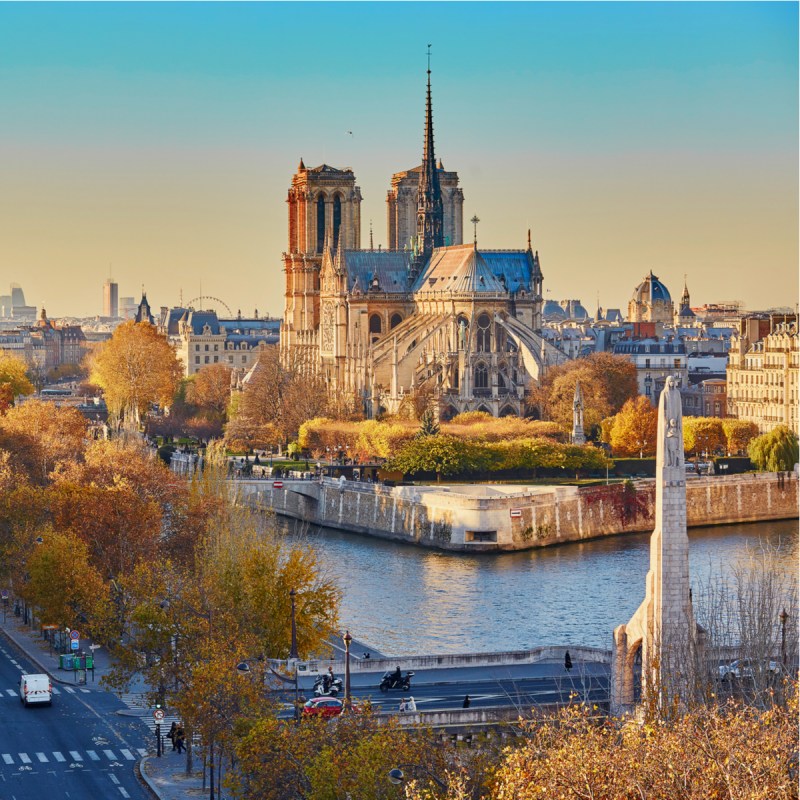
(670, 423)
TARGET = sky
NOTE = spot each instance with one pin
(155, 142)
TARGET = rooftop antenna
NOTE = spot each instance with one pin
(371, 245)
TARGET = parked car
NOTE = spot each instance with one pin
(35, 689)
(747, 668)
(326, 707)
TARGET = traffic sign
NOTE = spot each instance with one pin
(158, 714)
(515, 512)
(74, 635)
(4, 594)
(277, 485)
(74, 644)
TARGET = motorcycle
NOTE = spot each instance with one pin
(333, 689)
(391, 681)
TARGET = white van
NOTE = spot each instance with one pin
(35, 689)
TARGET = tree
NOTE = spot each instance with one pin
(776, 451)
(607, 381)
(444, 455)
(209, 390)
(135, 368)
(738, 434)
(634, 428)
(13, 379)
(702, 435)
(41, 435)
(429, 426)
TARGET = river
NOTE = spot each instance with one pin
(406, 600)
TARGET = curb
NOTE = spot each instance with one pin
(30, 656)
(145, 778)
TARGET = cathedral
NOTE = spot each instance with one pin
(429, 314)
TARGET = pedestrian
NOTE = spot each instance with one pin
(171, 736)
(567, 661)
(180, 739)
(466, 702)
(403, 707)
(411, 705)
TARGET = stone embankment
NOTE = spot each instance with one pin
(481, 518)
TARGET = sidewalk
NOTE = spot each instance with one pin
(165, 776)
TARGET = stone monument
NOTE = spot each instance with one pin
(663, 626)
(578, 436)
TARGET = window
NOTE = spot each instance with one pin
(230, 359)
(206, 348)
(481, 377)
(244, 359)
(647, 363)
(677, 363)
(484, 333)
(320, 223)
(337, 219)
(375, 324)
(206, 359)
(216, 347)
(197, 359)
(197, 348)
(216, 358)
(395, 320)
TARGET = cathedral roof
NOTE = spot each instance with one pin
(460, 269)
(514, 267)
(389, 267)
(327, 168)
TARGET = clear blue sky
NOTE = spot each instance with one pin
(161, 139)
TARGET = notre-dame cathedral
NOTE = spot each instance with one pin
(430, 313)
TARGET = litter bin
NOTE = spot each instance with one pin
(66, 661)
(89, 662)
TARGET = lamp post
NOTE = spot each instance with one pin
(397, 777)
(293, 651)
(347, 638)
(783, 617)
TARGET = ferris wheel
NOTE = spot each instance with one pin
(199, 303)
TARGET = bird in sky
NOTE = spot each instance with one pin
(349, 132)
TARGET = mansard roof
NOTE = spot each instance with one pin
(389, 267)
(197, 320)
(460, 269)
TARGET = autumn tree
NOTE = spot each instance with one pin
(135, 368)
(428, 425)
(738, 434)
(40, 435)
(634, 429)
(702, 435)
(13, 379)
(607, 382)
(209, 390)
(776, 451)
(441, 454)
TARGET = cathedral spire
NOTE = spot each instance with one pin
(430, 209)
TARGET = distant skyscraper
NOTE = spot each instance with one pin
(110, 299)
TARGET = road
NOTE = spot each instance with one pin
(77, 748)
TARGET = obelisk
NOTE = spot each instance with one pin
(664, 624)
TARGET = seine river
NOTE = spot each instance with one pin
(402, 599)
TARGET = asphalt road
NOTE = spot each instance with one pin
(77, 748)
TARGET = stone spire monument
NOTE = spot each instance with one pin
(663, 626)
(578, 436)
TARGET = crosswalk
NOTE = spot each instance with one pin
(6, 693)
(72, 757)
(137, 702)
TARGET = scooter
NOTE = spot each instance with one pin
(334, 687)
(391, 681)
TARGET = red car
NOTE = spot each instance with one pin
(326, 707)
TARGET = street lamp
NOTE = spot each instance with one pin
(783, 617)
(396, 775)
(293, 651)
(347, 639)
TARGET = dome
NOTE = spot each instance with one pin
(553, 311)
(575, 310)
(650, 290)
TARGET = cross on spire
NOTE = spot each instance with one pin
(475, 222)
(429, 59)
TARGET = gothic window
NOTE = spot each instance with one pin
(481, 377)
(375, 324)
(320, 223)
(395, 320)
(484, 334)
(337, 219)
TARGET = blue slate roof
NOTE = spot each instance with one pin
(515, 267)
(389, 267)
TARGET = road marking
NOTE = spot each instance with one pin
(43, 758)
(11, 692)
(127, 753)
(123, 792)
(114, 778)
(69, 689)
(24, 758)
(93, 755)
(141, 751)
(58, 756)
(7, 758)
(76, 756)
(56, 690)
(86, 691)
(109, 754)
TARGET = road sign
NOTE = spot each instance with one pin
(277, 485)
(74, 644)
(158, 714)
(50, 627)
(74, 635)
(515, 512)
(4, 594)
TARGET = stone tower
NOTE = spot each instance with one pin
(324, 209)
(663, 626)
(578, 436)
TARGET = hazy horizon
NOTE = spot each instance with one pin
(155, 142)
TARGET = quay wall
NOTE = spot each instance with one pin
(485, 518)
